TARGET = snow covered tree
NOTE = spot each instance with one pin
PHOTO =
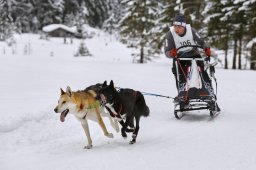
(115, 13)
(168, 10)
(83, 50)
(249, 7)
(6, 20)
(193, 11)
(78, 18)
(218, 26)
(32, 15)
(136, 27)
(97, 12)
(237, 18)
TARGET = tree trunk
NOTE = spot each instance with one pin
(235, 52)
(226, 50)
(226, 58)
(226, 53)
(253, 57)
(240, 54)
(141, 54)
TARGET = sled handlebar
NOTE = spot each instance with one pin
(195, 46)
(190, 59)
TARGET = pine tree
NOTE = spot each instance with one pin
(115, 13)
(250, 12)
(218, 26)
(238, 21)
(83, 50)
(162, 24)
(97, 12)
(193, 11)
(6, 20)
(31, 16)
(136, 27)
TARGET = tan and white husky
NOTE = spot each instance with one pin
(85, 107)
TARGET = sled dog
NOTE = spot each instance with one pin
(85, 107)
(125, 104)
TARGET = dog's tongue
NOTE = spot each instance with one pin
(63, 115)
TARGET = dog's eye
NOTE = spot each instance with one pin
(63, 102)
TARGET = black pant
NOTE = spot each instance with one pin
(183, 65)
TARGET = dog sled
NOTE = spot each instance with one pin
(195, 93)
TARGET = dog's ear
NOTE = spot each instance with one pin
(111, 85)
(68, 91)
(62, 91)
(105, 83)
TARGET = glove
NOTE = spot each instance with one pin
(207, 51)
(173, 52)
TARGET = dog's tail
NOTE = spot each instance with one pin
(142, 107)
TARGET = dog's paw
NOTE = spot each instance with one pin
(110, 135)
(88, 147)
(123, 133)
(132, 142)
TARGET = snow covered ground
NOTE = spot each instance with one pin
(32, 136)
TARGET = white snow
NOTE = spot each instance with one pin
(250, 43)
(32, 137)
(52, 27)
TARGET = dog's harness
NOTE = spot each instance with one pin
(121, 107)
(92, 106)
(112, 111)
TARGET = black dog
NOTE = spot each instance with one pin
(96, 88)
(125, 103)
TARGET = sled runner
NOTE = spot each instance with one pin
(194, 83)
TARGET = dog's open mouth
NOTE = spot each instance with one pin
(63, 115)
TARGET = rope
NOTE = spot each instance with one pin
(156, 95)
(150, 94)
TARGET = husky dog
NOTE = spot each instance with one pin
(125, 104)
(85, 107)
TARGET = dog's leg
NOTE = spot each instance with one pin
(87, 132)
(102, 124)
(125, 125)
(135, 133)
(114, 124)
(118, 118)
(131, 124)
(112, 120)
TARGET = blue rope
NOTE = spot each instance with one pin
(157, 95)
(151, 94)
